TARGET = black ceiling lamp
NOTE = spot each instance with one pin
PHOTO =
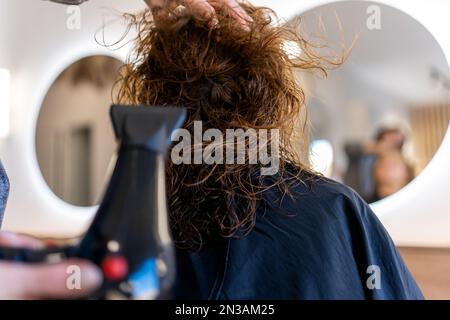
(69, 2)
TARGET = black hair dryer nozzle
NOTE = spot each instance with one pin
(129, 237)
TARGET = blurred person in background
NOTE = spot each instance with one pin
(378, 168)
(391, 173)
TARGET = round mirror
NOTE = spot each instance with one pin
(74, 138)
(378, 119)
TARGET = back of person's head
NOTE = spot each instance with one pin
(228, 78)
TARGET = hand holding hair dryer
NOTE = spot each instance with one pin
(129, 238)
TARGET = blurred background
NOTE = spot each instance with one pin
(378, 119)
(378, 122)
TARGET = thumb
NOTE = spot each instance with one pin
(14, 240)
(70, 279)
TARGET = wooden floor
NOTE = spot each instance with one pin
(431, 269)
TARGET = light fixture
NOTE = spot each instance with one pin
(292, 48)
(5, 87)
(322, 157)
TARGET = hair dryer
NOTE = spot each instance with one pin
(129, 238)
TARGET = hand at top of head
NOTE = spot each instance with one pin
(204, 9)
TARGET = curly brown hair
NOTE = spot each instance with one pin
(227, 78)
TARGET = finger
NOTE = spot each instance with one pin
(68, 280)
(159, 8)
(203, 9)
(156, 3)
(235, 10)
(14, 240)
(162, 9)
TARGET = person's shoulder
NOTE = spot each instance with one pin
(313, 197)
(304, 186)
(330, 190)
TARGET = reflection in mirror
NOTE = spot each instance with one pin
(74, 137)
(378, 119)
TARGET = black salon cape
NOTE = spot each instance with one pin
(321, 250)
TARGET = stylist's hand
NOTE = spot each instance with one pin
(206, 9)
(42, 281)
